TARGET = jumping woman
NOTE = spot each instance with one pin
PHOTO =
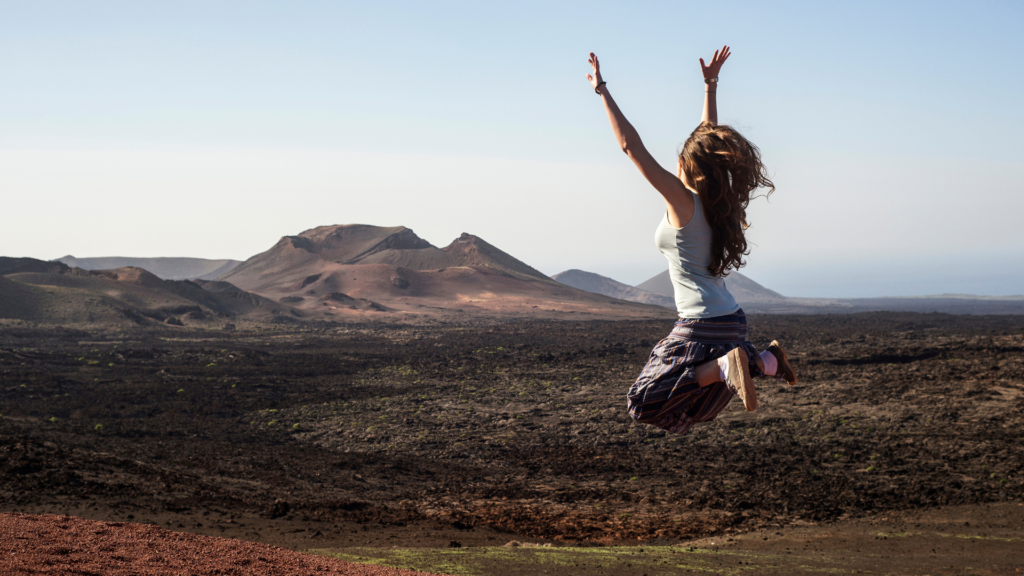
(706, 359)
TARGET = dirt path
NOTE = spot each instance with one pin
(51, 544)
(978, 539)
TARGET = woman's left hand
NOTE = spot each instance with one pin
(595, 66)
(711, 70)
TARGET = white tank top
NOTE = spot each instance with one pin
(688, 251)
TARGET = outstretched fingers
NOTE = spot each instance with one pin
(722, 54)
(710, 70)
(595, 67)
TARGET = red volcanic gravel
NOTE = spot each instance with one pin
(48, 544)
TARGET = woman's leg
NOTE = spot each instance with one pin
(667, 394)
(760, 364)
(708, 373)
(711, 371)
(734, 370)
(782, 368)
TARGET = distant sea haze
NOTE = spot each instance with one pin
(995, 273)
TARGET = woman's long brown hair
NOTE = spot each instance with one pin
(725, 169)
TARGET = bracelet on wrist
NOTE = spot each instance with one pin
(599, 84)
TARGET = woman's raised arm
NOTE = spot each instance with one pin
(710, 71)
(665, 182)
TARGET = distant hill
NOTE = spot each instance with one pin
(658, 290)
(746, 291)
(14, 265)
(322, 269)
(165, 268)
(755, 298)
(52, 292)
(603, 285)
(23, 302)
(359, 244)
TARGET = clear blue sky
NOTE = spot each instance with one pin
(210, 129)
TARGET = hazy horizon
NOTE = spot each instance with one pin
(204, 130)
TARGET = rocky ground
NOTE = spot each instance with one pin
(49, 544)
(470, 435)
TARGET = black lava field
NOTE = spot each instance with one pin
(517, 428)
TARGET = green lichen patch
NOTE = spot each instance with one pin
(624, 560)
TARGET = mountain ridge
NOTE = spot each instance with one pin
(166, 268)
(592, 282)
(742, 288)
(53, 292)
(396, 269)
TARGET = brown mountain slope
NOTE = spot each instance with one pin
(21, 301)
(393, 269)
(73, 295)
(360, 244)
(68, 298)
(466, 250)
(10, 265)
(241, 303)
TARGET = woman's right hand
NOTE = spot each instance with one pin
(595, 66)
(711, 70)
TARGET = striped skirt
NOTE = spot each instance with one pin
(667, 395)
